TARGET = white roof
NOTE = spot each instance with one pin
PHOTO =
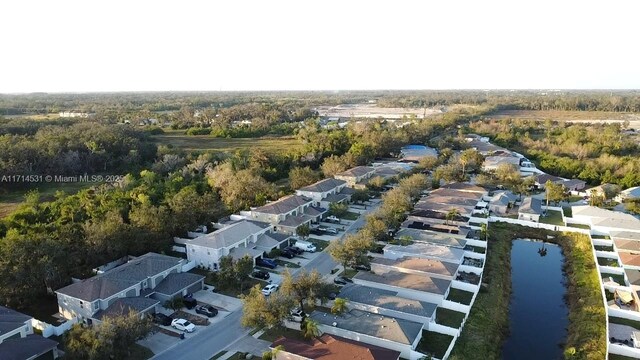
(229, 235)
(633, 192)
(608, 218)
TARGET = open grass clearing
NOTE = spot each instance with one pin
(210, 143)
(10, 200)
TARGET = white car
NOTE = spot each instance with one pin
(269, 289)
(297, 315)
(333, 218)
(183, 325)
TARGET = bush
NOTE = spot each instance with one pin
(274, 253)
(174, 304)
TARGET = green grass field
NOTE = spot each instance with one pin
(9, 201)
(178, 140)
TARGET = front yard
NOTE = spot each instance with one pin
(277, 331)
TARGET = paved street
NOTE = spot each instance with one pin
(208, 341)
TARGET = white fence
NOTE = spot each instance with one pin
(624, 351)
(188, 266)
(50, 330)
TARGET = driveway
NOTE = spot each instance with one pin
(219, 301)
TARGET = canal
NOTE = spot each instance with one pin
(538, 313)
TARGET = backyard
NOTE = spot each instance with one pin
(552, 217)
(434, 343)
(460, 296)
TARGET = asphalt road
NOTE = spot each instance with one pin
(208, 341)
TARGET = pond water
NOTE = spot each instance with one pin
(538, 313)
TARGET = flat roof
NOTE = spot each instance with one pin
(430, 266)
(362, 322)
(417, 282)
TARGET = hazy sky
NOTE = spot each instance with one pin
(100, 45)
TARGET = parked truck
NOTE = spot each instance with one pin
(305, 246)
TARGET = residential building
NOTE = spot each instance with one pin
(384, 331)
(465, 187)
(541, 180)
(491, 163)
(356, 177)
(387, 303)
(425, 251)
(629, 194)
(331, 347)
(501, 202)
(139, 285)
(414, 265)
(413, 153)
(410, 285)
(603, 221)
(433, 237)
(574, 184)
(287, 213)
(327, 191)
(530, 209)
(17, 340)
(239, 239)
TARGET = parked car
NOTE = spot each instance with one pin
(268, 263)
(322, 228)
(294, 250)
(362, 267)
(341, 280)
(264, 275)
(305, 246)
(316, 231)
(269, 289)
(183, 325)
(189, 302)
(297, 315)
(206, 310)
(332, 296)
(162, 319)
(331, 230)
(332, 219)
(287, 254)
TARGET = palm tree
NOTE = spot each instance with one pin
(451, 215)
(339, 306)
(273, 354)
(310, 328)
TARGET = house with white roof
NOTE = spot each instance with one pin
(603, 221)
(629, 194)
(327, 191)
(287, 213)
(242, 238)
(356, 177)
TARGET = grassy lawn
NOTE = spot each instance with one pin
(580, 226)
(608, 262)
(349, 273)
(210, 280)
(351, 216)
(460, 296)
(488, 323)
(287, 264)
(277, 331)
(434, 343)
(449, 318)
(568, 211)
(139, 352)
(208, 143)
(620, 321)
(553, 217)
(320, 244)
(11, 200)
(603, 247)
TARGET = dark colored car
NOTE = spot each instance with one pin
(287, 254)
(342, 280)
(316, 232)
(268, 263)
(189, 302)
(362, 267)
(206, 310)
(294, 250)
(264, 275)
(162, 319)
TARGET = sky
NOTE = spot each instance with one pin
(182, 45)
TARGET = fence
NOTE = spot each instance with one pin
(50, 330)
(188, 266)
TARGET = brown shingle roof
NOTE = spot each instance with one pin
(332, 347)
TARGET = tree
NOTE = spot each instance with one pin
(243, 268)
(304, 288)
(303, 230)
(260, 311)
(452, 214)
(352, 249)
(338, 209)
(111, 339)
(428, 163)
(302, 176)
(175, 303)
(239, 189)
(554, 192)
(470, 159)
(360, 196)
(273, 353)
(339, 306)
(333, 165)
(310, 328)
(376, 183)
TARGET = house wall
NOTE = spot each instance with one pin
(404, 349)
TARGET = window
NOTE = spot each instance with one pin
(96, 306)
(81, 305)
